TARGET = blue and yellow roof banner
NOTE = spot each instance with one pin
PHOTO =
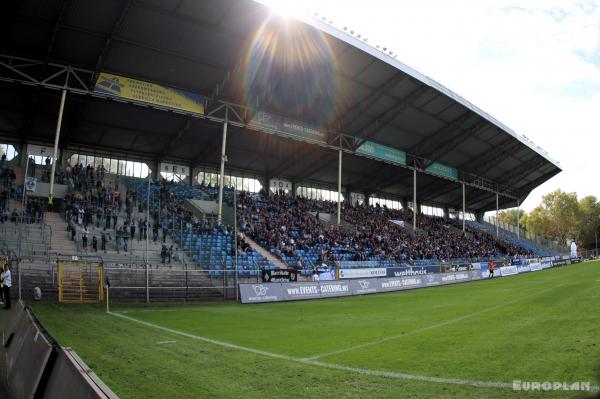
(151, 93)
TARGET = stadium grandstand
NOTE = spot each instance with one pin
(187, 146)
(328, 159)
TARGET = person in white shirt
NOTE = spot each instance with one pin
(7, 283)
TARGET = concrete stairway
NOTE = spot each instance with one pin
(60, 242)
(266, 254)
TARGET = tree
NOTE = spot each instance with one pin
(511, 216)
(557, 217)
(589, 211)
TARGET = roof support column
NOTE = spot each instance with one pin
(518, 220)
(415, 199)
(56, 139)
(464, 208)
(222, 172)
(339, 204)
(497, 221)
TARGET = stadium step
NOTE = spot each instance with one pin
(266, 254)
(60, 241)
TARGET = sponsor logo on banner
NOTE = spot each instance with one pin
(364, 286)
(475, 274)
(363, 273)
(150, 93)
(378, 151)
(431, 280)
(508, 270)
(272, 123)
(442, 170)
(523, 269)
(255, 293)
(535, 266)
(405, 271)
(394, 284)
(455, 277)
(279, 275)
(546, 263)
(462, 276)
(316, 290)
(341, 288)
(476, 266)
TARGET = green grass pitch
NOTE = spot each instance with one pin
(461, 341)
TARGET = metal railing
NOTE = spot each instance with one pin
(526, 235)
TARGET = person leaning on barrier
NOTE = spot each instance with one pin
(7, 283)
(2, 285)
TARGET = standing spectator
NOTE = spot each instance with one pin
(118, 234)
(115, 216)
(6, 284)
(95, 244)
(84, 239)
(107, 216)
(103, 241)
(132, 229)
(125, 238)
(155, 232)
(163, 253)
(164, 231)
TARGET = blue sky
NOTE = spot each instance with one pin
(533, 65)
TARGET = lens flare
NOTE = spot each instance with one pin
(289, 68)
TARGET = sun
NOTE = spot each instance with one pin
(284, 8)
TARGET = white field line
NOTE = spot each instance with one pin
(165, 342)
(368, 372)
(431, 327)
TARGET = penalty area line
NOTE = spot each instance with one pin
(362, 371)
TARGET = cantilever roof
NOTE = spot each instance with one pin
(213, 47)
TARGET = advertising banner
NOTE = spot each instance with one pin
(451, 278)
(401, 283)
(364, 286)
(523, 269)
(279, 275)
(274, 292)
(405, 271)
(301, 291)
(508, 270)
(442, 170)
(382, 152)
(272, 123)
(363, 273)
(151, 93)
(535, 266)
(546, 263)
(257, 293)
(333, 289)
(475, 274)
(431, 280)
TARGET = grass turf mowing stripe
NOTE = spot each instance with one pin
(362, 371)
(432, 327)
